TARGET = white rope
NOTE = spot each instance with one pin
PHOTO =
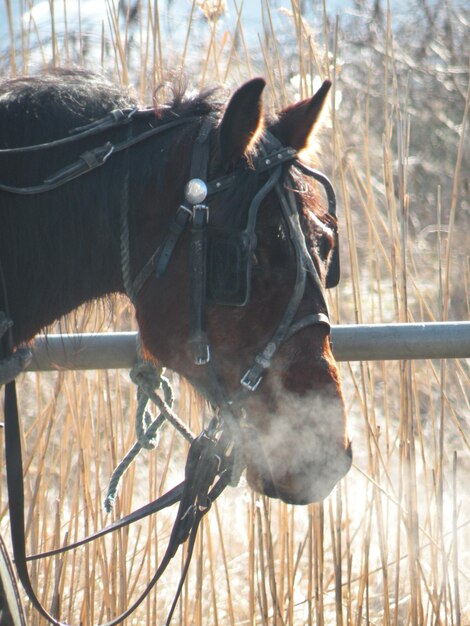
(149, 378)
(124, 243)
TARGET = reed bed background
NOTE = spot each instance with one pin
(391, 545)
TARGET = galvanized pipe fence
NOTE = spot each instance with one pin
(364, 342)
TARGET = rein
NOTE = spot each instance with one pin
(214, 458)
(207, 473)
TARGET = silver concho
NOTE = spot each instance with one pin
(195, 191)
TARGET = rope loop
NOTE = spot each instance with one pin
(145, 373)
(149, 378)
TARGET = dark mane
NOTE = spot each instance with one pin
(188, 104)
(64, 93)
(44, 108)
(41, 108)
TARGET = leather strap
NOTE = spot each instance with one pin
(168, 499)
(198, 251)
(176, 228)
(14, 469)
(197, 292)
(11, 604)
(210, 456)
(89, 160)
(334, 269)
(115, 118)
(158, 262)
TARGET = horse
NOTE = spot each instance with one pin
(222, 237)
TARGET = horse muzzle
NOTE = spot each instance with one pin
(296, 460)
(312, 484)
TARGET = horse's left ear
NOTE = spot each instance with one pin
(296, 123)
(241, 120)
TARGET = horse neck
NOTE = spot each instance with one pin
(64, 254)
(61, 249)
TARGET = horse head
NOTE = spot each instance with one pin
(232, 242)
(267, 252)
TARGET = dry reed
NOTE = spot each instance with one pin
(391, 545)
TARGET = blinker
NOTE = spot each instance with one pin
(229, 267)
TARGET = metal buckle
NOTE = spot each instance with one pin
(200, 215)
(250, 381)
(185, 208)
(202, 354)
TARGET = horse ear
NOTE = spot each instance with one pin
(296, 123)
(241, 120)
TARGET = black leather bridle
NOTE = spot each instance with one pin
(212, 455)
(272, 160)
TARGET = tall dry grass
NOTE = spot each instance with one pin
(391, 544)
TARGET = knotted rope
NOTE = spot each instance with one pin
(149, 379)
(145, 374)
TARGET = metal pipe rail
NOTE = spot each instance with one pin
(365, 342)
